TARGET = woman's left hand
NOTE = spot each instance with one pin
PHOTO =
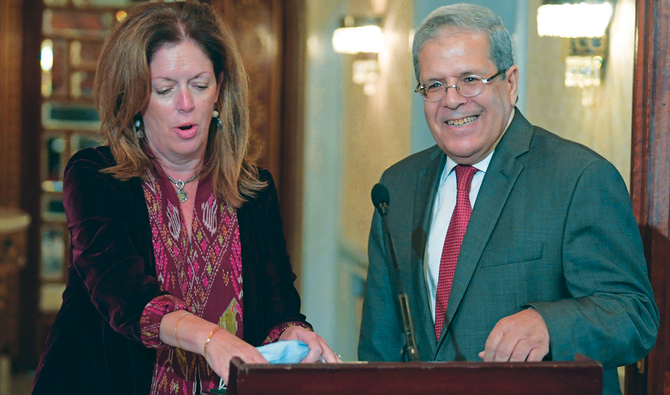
(317, 344)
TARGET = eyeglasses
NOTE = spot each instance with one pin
(469, 86)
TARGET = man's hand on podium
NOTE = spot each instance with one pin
(516, 338)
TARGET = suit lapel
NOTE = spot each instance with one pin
(498, 182)
(424, 199)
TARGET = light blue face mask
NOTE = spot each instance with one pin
(286, 351)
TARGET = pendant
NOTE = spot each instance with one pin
(182, 196)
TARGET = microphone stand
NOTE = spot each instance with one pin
(411, 351)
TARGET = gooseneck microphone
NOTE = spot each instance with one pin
(381, 200)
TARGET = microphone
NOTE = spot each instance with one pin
(381, 200)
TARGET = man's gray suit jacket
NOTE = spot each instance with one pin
(552, 228)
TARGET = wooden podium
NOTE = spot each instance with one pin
(582, 377)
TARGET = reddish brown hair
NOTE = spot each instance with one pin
(123, 89)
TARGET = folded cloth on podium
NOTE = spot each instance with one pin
(284, 351)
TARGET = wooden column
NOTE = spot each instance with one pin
(31, 21)
(650, 178)
(10, 110)
(292, 133)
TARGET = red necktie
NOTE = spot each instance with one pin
(452, 243)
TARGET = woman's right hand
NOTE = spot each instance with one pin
(223, 346)
(189, 332)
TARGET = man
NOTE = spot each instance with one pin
(535, 256)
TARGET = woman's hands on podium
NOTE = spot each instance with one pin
(318, 348)
(191, 333)
(220, 346)
(224, 346)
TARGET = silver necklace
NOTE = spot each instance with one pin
(182, 195)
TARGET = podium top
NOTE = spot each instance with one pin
(455, 378)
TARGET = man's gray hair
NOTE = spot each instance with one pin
(467, 18)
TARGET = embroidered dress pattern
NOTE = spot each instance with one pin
(203, 272)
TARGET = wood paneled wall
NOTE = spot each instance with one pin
(271, 38)
(10, 102)
(257, 27)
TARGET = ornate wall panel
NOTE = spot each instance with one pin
(10, 102)
(257, 27)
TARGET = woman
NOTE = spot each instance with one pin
(178, 260)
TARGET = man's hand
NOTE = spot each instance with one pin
(519, 337)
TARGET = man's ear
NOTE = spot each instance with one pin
(513, 79)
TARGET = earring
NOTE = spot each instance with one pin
(138, 129)
(215, 115)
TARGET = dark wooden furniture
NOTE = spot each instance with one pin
(650, 180)
(456, 378)
(13, 225)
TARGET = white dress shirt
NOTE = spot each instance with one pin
(445, 202)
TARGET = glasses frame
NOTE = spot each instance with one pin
(421, 89)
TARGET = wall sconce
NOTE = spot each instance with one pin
(585, 23)
(46, 63)
(363, 38)
(570, 19)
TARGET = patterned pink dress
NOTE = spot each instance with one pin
(203, 275)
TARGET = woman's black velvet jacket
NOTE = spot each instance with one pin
(95, 344)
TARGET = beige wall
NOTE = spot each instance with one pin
(349, 139)
(605, 126)
(376, 127)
